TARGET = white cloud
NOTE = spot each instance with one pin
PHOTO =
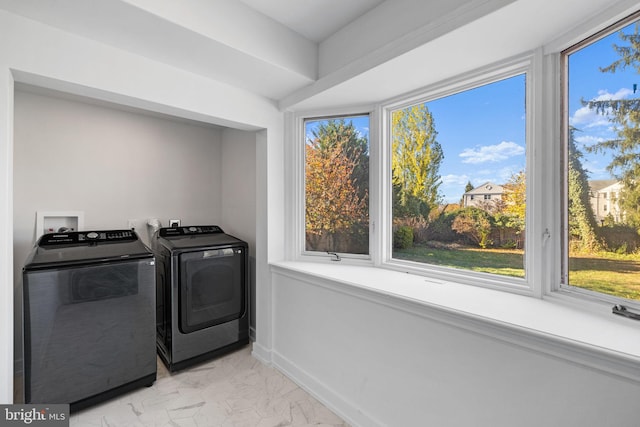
(498, 176)
(452, 179)
(491, 153)
(604, 95)
(588, 139)
(586, 118)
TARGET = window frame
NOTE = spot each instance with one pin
(591, 35)
(520, 65)
(545, 238)
(296, 124)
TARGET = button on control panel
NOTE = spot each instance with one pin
(106, 236)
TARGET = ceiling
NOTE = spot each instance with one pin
(313, 19)
(311, 54)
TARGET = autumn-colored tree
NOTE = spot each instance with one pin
(354, 146)
(475, 224)
(515, 201)
(415, 163)
(336, 202)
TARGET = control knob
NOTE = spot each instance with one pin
(92, 235)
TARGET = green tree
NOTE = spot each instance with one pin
(625, 115)
(582, 223)
(415, 164)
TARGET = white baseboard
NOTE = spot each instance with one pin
(340, 405)
(261, 353)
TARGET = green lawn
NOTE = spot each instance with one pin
(608, 273)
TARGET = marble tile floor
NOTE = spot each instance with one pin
(234, 390)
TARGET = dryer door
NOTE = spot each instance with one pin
(212, 287)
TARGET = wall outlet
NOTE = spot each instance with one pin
(174, 223)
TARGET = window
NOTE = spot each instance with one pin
(601, 150)
(450, 176)
(337, 184)
(442, 149)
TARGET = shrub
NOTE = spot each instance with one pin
(475, 224)
(440, 228)
(403, 237)
(419, 225)
(509, 244)
(620, 238)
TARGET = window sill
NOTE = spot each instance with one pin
(581, 332)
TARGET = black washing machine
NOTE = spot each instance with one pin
(89, 317)
(201, 294)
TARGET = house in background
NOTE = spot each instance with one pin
(485, 196)
(604, 195)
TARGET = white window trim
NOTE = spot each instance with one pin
(525, 64)
(559, 287)
(295, 158)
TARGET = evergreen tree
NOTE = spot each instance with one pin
(582, 222)
(416, 158)
(625, 115)
(468, 187)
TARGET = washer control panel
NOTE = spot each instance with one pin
(87, 237)
(192, 230)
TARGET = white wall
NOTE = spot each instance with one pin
(377, 365)
(110, 164)
(239, 213)
(238, 192)
(36, 54)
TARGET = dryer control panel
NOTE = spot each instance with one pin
(190, 230)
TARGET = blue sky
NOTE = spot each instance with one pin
(482, 131)
(586, 81)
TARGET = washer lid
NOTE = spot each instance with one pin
(84, 247)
